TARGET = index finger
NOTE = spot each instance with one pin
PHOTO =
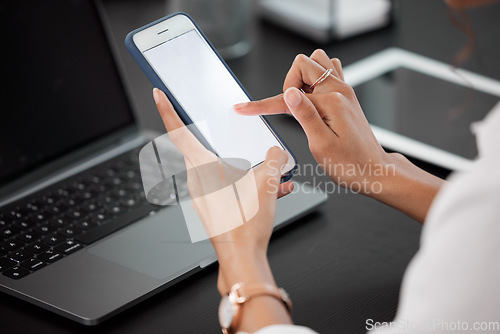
(274, 105)
(270, 106)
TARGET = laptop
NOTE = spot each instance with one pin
(77, 235)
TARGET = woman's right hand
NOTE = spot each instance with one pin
(341, 139)
(338, 133)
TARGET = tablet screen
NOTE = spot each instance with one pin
(425, 108)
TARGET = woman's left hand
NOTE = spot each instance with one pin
(238, 225)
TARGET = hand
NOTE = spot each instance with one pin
(239, 227)
(338, 133)
(341, 140)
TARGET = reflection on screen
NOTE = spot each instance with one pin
(207, 92)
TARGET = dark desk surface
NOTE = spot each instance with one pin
(343, 264)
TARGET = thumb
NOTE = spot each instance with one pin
(276, 160)
(305, 113)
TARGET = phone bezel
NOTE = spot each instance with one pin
(170, 27)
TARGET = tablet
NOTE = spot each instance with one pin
(421, 107)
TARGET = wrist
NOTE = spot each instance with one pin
(376, 175)
(389, 168)
(387, 182)
(244, 268)
(408, 188)
(228, 252)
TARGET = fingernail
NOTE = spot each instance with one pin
(156, 95)
(292, 97)
(282, 155)
(240, 106)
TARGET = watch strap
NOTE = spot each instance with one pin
(240, 293)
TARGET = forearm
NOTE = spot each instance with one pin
(408, 188)
(260, 311)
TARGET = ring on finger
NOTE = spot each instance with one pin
(322, 78)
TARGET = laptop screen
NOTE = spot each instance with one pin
(60, 85)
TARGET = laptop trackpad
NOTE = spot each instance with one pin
(159, 246)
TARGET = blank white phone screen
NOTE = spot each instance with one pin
(207, 92)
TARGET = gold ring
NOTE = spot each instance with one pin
(322, 77)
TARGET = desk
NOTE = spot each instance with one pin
(342, 264)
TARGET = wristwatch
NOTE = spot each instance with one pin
(230, 305)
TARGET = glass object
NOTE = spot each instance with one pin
(224, 22)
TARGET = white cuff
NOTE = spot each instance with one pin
(283, 329)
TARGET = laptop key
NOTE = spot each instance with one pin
(96, 189)
(114, 210)
(105, 173)
(53, 210)
(9, 232)
(2, 252)
(128, 202)
(69, 232)
(33, 264)
(50, 256)
(12, 245)
(72, 215)
(130, 174)
(101, 231)
(89, 207)
(81, 196)
(114, 182)
(60, 222)
(79, 186)
(93, 179)
(67, 203)
(15, 214)
(24, 224)
(98, 217)
(37, 247)
(54, 239)
(6, 263)
(68, 247)
(30, 207)
(20, 255)
(29, 237)
(86, 224)
(47, 200)
(134, 186)
(45, 229)
(61, 193)
(37, 218)
(22, 212)
(119, 193)
(16, 272)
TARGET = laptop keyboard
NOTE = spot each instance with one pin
(70, 215)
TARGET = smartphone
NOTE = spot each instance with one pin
(177, 58)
